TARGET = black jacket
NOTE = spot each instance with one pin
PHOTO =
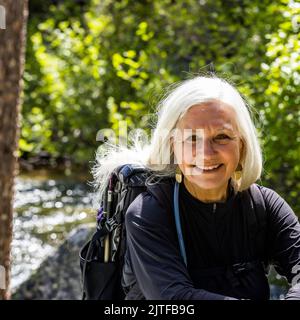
(154, 269)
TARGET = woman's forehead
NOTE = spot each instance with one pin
(213, 115)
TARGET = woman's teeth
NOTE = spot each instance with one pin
(209, 168)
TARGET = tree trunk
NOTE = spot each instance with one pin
(12, 43)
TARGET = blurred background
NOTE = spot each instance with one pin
(90, 64)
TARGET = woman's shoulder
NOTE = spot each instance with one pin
(275, 204)
(154, 204)
(270, 195)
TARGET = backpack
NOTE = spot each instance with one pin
(102, 257)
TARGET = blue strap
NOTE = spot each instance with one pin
(177, 221)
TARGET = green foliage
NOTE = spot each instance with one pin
(88, 69)
(279, 105)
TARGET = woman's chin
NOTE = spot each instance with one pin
(207, 182)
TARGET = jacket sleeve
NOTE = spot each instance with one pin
(284, 241)
(154, 254)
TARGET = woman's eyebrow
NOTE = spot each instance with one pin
(196, 130)
(225, 128)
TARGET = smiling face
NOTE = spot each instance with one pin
(219, 143)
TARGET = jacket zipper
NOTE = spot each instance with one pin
(215, 221)
(214, 207)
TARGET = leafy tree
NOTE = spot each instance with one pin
(111, 60)
(279, 101)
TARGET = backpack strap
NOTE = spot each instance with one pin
(178, 224)
(259, 205)
(257, 219)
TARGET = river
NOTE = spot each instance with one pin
(47, 207)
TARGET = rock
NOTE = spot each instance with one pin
(59, 276)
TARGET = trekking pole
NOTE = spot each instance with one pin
(106, 238)
(109, 203)
(108, 213)
(116, 197)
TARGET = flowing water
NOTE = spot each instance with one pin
(47, 207)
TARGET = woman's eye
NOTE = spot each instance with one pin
(222, 137)
(193, 139)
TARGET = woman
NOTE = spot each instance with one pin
(206, 141)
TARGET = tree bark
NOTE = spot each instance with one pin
(12, 43)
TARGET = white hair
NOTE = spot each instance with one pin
(158, 155)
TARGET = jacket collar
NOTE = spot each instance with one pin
(231, 196)
(163, 192)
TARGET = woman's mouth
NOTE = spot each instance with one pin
(208, 169)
